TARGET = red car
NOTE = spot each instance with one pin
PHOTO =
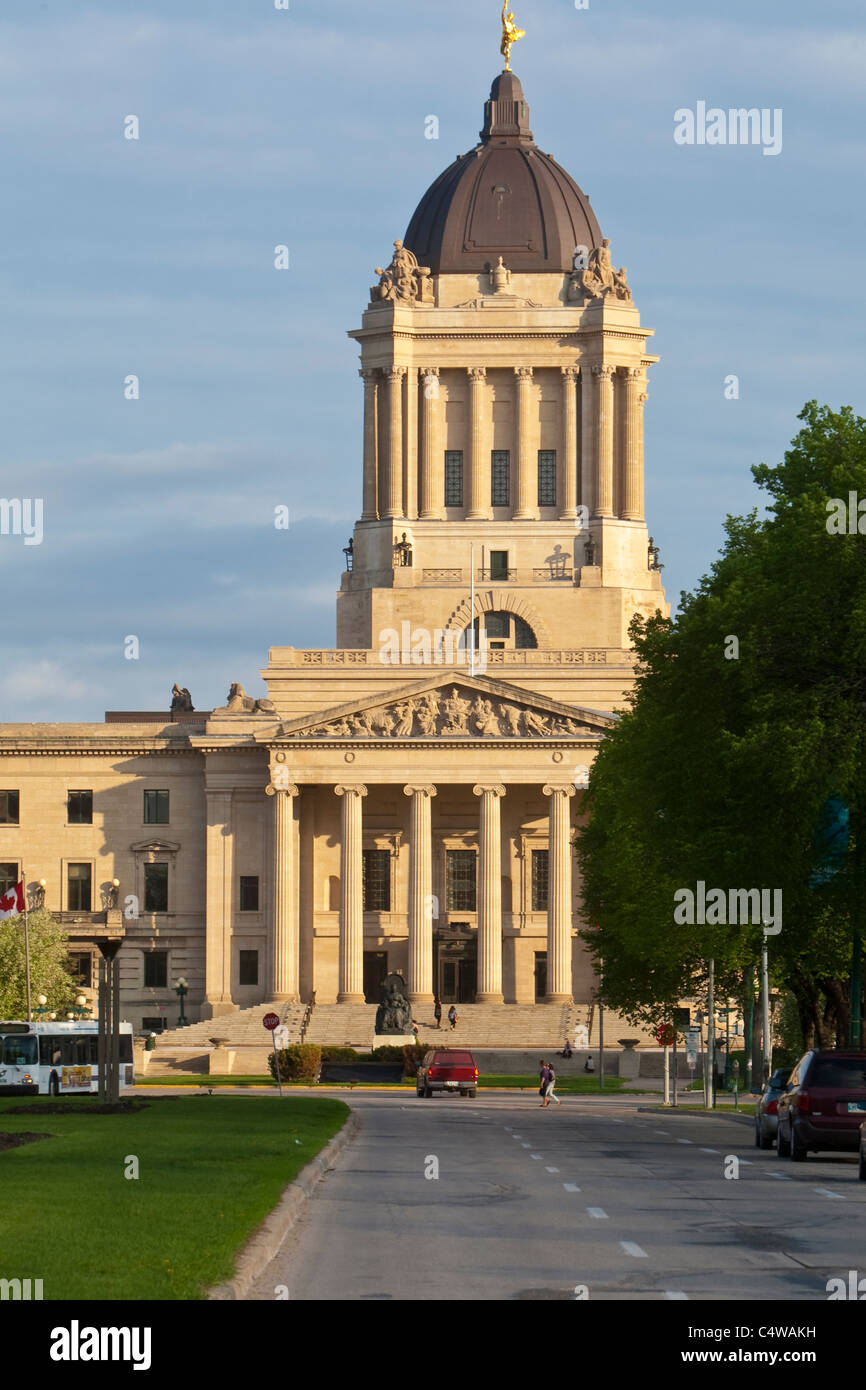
(823, 1105)
(447, 1069)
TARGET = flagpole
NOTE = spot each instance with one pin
(472, 608)
(26, 944)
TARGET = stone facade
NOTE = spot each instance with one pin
(407, 800)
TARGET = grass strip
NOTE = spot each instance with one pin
(210, 1169)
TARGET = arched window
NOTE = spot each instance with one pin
(505, 631)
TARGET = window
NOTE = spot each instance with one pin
(21, 1051)
(499, 564)
(155, 969)
(78, 879)
(453, 477)
(152, 1025)
(249, 893)
(156, 888)
(500, 477)
(249, 968)
(507, 630)
(156, 808)
(79, 808)
(8, 877)
(547, 477)
(377, 880)
(460, 880)
(540, 869)
(81, 968)
(8, 808)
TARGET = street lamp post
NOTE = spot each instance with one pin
(181, 989)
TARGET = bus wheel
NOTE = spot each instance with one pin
(53, 1085)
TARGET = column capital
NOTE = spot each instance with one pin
(603, 370)
(429, 371)
(368, 374)
(495, 788)
(420, 791)
(523, 373)
(394, 373)
(570, 373)
(567, 790)
(476, 373)
(633, 373)
(288, 788)
(358, 790)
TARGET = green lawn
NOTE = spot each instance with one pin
(572, 1085)
(211, 1168)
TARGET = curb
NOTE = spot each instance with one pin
(699, 1114)
(265, 1243)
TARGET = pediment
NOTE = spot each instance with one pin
(155, 846)
(451, 707)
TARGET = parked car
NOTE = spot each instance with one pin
(447, 1069)
(824, 1104)
(767, 1108)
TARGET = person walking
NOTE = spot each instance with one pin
(437, 1012)
(548, 1090)
(543, 1078)
(452, 1017)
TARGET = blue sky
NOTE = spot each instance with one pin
(306, 127)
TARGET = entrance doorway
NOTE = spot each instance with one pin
(540, 976)
(375, 970)
(455, 964)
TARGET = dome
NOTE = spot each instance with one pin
(504, 198)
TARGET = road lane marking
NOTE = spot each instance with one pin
(661, 1131)
(571, 1187)
(785, 1177)
(536, 1155)
(825, 1192)
(551, 1170)
(526, 1146)
(684, 1141)
(677, 1294)
(709, 1151)
(598, 1212)
(631, 1249)
(747, 1161)
(616, 1122)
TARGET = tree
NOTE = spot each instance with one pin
(49, 964)
(731, 748)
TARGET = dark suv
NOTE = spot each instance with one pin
(824, 1104)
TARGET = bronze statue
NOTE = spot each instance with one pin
(181, 700)
(394, 1014)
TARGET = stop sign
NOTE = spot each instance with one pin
(271, 1021)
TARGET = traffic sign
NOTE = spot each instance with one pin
(665, 1034)
(281, 1036)
(271, 1021)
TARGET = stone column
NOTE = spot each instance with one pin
(604, 418)
(410, 444)
(632, 509)
(285, 941)
(489, 990)
(370, 378)
(478, 490)
(559, 896)
(523, 510)
(351, 986)
(432, 493)
(219, 902)
(567, 487)
(394, 457)
(588, 439)
(420, 895)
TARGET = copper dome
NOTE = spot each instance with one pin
(504, 198)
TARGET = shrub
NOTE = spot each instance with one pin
(342, 1055)
(389, 1053)
(301, 1062)
(413, 1056)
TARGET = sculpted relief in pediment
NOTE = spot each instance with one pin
(449, 712)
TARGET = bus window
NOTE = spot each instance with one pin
(81, 1051)
(49, 1051)
(20, 1051)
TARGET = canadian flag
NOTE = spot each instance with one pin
(12, 903)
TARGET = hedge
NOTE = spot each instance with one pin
(301, 1062)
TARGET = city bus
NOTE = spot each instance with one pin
(57, 1058)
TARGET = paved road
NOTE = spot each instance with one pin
(532, 1204)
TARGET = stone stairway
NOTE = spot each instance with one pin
(479, 1025)
(243, 1028)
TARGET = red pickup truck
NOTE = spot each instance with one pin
(447, 1069)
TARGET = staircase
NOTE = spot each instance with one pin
(479, 1025)
(243, 1028)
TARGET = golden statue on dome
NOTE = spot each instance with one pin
(510, 35)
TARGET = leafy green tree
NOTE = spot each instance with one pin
(49, 964)
(748, 713)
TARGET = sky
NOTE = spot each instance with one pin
(306, 127)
